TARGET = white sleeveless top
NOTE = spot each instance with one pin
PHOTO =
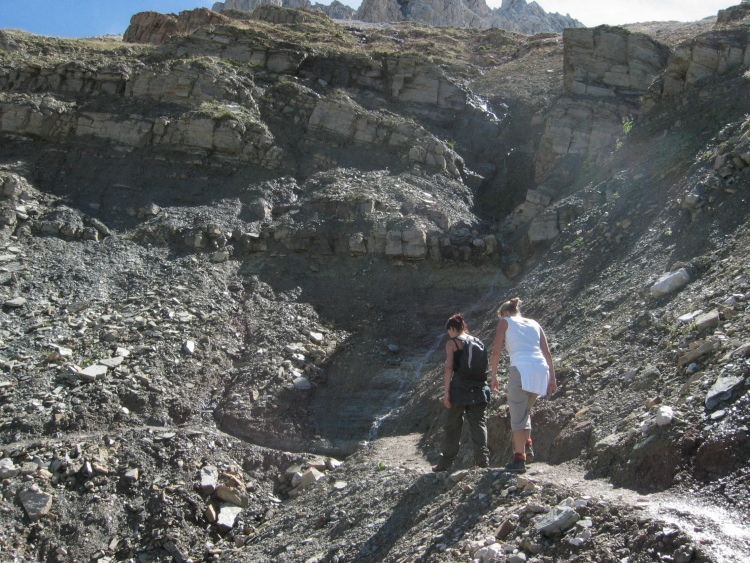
(522, 341)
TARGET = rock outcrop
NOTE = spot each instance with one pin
(606, 72)
(336, 10)
(608, 62)
(154, 27)
(514, 15)
(738, 14)
(704, 57)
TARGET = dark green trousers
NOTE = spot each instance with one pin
(476, 416)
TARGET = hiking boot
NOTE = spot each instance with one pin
(529, 452)
(516, 466)
(443, 464)
(482, 464)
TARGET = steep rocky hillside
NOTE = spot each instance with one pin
(230, 243)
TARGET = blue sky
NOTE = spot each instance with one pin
(84, 18)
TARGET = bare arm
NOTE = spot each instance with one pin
(497, 350)
(552, 384)
(450, 348)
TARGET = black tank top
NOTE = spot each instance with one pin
(456, 356)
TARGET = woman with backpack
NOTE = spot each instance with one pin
(465, 393)
(531, 374)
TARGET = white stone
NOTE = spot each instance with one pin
(63, 351)
(688, 317)
(209, 479)
(492, 552)
(92, 372)
(670, 282)
(8, 469)
(220, 256)
(664, 416)
(332, 463)
(112, 362)
(459, 475)
(228, 514)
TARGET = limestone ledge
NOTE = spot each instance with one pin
(192, 82)
(411, 244)
(706, 56)
(611, 62)
(405, 78)
(337, 114)
(47, 118)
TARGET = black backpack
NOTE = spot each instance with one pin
(473, 364)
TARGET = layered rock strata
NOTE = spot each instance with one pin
(606, 72)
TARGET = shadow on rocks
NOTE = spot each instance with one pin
(439, 523)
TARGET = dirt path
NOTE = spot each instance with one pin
(724, 533)
(402, 451)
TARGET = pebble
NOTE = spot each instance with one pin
(302, 383)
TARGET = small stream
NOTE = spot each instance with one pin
(395, 402)
(721, 533)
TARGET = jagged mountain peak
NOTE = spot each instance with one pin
(335, 10)
(514, 15)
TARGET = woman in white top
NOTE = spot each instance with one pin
(531, 374)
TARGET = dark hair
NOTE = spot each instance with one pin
(513, 306)
(457, 321)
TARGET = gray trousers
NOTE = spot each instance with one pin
(476, 416)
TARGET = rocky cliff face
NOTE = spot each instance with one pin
(606, 72)
(514, 15)
(228, 249)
